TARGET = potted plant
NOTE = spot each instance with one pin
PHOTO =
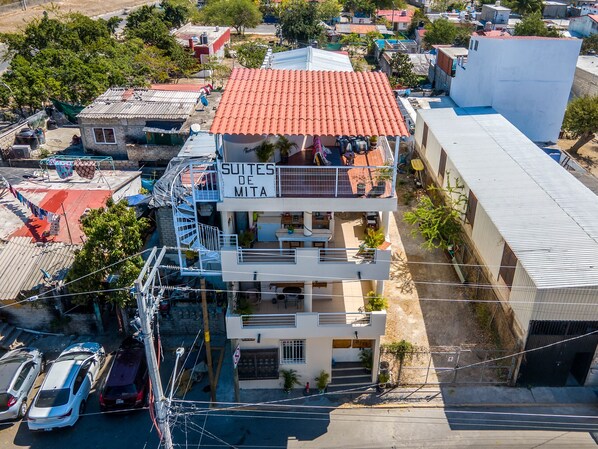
(264, 151)
(284, 146)
(383, 379)
(322, 381)
(361, 185)
(247, 238)
(373, 142)
(191, 256)
(290, 379)
(366, 357)
(291, 229)
(376, 303)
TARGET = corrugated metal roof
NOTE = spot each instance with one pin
(21, 263)
(548, 218)
(143, 103)
(301, 102)
(310, 58)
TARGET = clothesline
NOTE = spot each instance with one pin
(37, 211)
(64, 169)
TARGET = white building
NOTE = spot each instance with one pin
(584, 26)
(496, 14)
(526, 79)
(285, 234)
(532, 226)
(585, 82)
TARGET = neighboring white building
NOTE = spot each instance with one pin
(497, 14)
(526, 79)
(585, 82)
(282, 234)
(532, 226)
(584, 26)
(307, 58)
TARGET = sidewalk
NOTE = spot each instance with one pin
(449, 396)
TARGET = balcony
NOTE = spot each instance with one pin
(338, 314)
(341, 259)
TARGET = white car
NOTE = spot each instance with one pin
(62, 396)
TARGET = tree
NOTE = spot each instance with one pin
(581, 119)
(175, 13)
(299, 22)
(590, 45)
(328, 10)
(352, 42)
(370, 39)
(439, 221)
(533, 25)
(360, 6)
(418, 20)
(402, 70)
(525, 6)
(219, 71)
(239, 14)
(440, 32)
(251, 54)
(112, 234)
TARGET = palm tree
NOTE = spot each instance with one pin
(284, 146)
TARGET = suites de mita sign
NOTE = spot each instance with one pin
(248, 180)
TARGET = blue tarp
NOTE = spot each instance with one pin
(137, 200)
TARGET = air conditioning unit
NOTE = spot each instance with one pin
(20, 152)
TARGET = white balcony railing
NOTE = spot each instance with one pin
(241, 264)
(298, 325)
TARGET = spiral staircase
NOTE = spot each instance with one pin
(194, 192)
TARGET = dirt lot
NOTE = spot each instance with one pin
(14, 20)
(587, 156)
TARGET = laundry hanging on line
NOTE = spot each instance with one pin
(85, 169)
(64, 169)
(37, 211)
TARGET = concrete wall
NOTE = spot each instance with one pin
(583, 26)
(526, 80)
(165, 225)
(585, 83)
(152, 152)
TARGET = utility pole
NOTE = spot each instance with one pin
(146, 305)
(206, 333)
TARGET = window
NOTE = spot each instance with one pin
(104, 135)
(475, 46)
(293, 351)
(52, 398)
(425, 136)
(508, 265)
(472, 205)
(470, 44)
(258, 364)
(442, 165)
(22, 376)
(81, 377)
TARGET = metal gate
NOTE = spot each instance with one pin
(452, 365)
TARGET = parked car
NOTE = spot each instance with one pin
(18, 370)
(127, 383)
(63, 394)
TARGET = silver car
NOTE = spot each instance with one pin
(18, 370)
(61, 399)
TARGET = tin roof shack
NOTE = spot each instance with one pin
(204, 41)
(585, 82)
(148, 125)
(444, 64)
(554, 10)
(26, 269)
(531, 227)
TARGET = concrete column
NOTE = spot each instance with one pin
(379, 288)
(307, 296)
(307, 223)
(227, 222)
(385, 224)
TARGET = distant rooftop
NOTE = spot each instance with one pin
(588, 64)
(142, 103)
(453, 52)
(189, 31)
(308, 58)
(396, 15)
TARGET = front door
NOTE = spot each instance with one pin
(348, 350)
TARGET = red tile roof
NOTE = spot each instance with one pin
(300, 102)
(594, 17)
(395, 15)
